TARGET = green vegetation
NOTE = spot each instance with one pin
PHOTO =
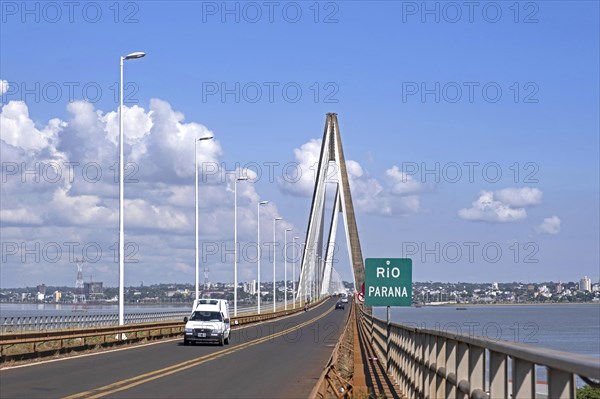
(588, 392)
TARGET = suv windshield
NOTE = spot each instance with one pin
(206, 316)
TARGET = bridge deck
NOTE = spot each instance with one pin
(278, 359)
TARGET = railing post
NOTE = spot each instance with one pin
(560, 384)
(498, 375)
(523, 381)
(371, 326)
(387, 341)
(476, 368)
(462, 369)
(441, 371)
(451, 368)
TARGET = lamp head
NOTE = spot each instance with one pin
(132, 56)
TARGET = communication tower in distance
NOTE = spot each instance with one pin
(79, 296)
(206, 282)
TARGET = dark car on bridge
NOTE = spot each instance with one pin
(339, 305)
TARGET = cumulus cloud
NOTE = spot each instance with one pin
(307, 159)
(519, 197)
(506, 205)
(19, 217)
(18, 130)
(402, 184)
(77, 198)
(549, 225)
(395, 195)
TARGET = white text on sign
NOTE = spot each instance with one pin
(393, 272)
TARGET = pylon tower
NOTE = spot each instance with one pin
(316, 267)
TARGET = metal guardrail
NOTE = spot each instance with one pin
(40, 323)
(11, 324)
(435, 364)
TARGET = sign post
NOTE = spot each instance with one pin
(388, 282)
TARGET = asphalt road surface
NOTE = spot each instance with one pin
(279, 359)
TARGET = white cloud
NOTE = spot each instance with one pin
(79, 210)
(354, 169)
(519, 197)
(20, 217)
(368, 194)
(307, 157)
(184, 268)
(402, 184)
(18, 130)
(136, 124)
(549, 225)
(487, 208)
(3, 86)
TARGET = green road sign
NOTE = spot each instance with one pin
(388, 282)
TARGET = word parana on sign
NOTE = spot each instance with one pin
(388, 291)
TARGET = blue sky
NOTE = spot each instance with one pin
(514, 92)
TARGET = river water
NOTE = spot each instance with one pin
(572, 328)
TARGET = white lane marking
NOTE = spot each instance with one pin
(162, 341)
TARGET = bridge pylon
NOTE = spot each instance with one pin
(316, 267)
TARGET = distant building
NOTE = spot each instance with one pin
(41, 289)
(494, 286)
(559, 287)
(250, 287)
(93, 290)
(57, 296)
(585, 284)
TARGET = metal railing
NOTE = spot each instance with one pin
(436, 364)
(42, 323)
(13, 324)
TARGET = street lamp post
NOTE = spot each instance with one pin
(235, 243)
(258, 249)
(196, 209)
(294, 272)
(121, 191)
(274, 293)
(285, 268)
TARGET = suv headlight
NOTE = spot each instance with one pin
(215, 331)
(189, 330)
